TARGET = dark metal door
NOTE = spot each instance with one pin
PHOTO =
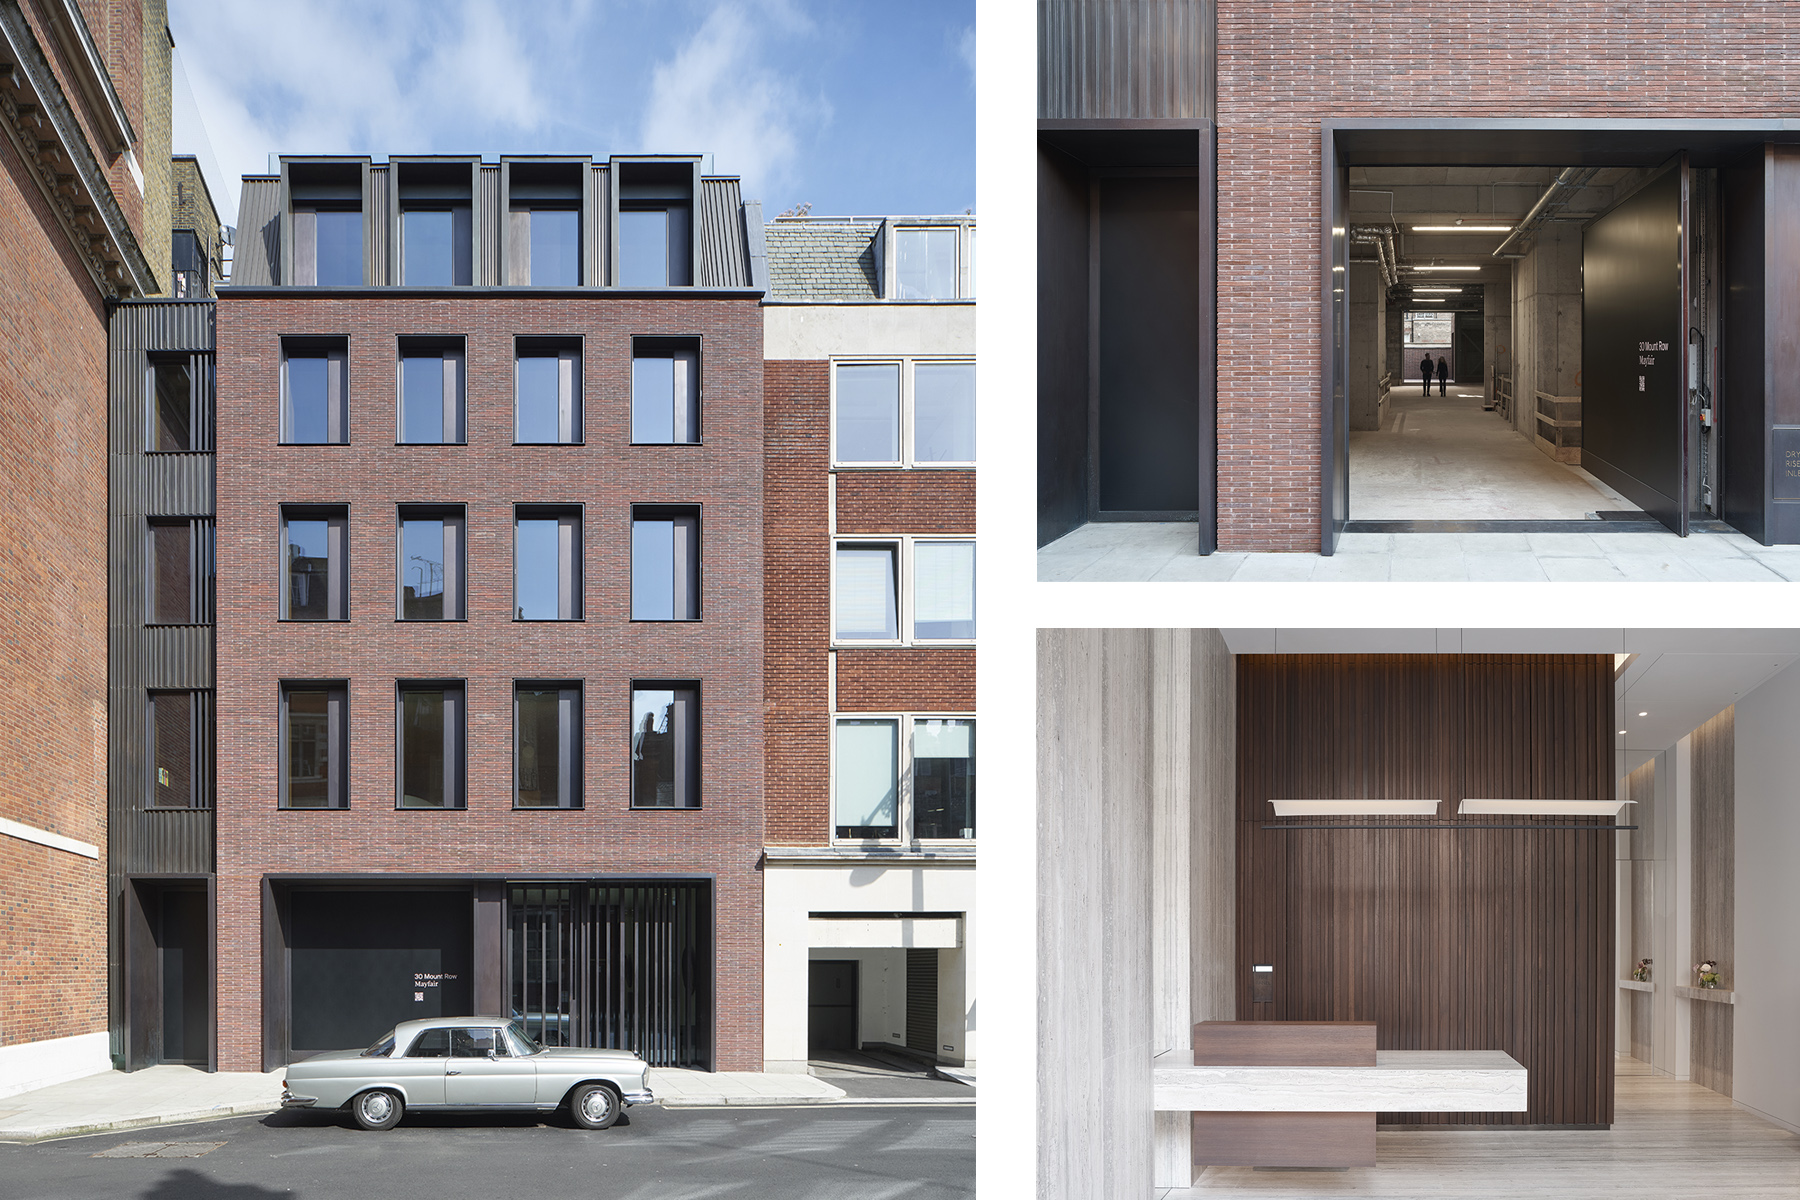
(922, 1001)
(831, 1006)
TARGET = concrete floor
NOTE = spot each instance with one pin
(1445, 459)
(1164, 552)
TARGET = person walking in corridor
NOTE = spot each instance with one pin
(1443, 373)
(1425, 369)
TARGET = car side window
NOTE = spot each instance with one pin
(520, 1048)
(433, 1043)
(476, 1042)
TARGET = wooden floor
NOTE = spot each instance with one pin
(1668, 1139)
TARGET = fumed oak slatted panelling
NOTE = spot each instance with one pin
(1465, 938)
(1715, 861)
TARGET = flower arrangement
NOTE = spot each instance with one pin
(1641, 972)
(1709, 973)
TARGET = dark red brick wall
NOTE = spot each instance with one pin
(606, 650)
(1284, 68)
(53, 624)
(798, 642)
(797, 675)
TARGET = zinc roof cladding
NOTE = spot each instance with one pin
(822, 261)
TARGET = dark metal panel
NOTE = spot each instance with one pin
(1634, 389)
(1743, 409)
(1781, 371)
(258, 247)
(1125, 58)
(275, 1016)
(378, 232)
(490, 228)
(490, 948)
(1062, 343)
(722, 260)
(1558, 142)
(1334, 342)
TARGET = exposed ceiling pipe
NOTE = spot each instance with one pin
(1382, 238)
(1554, 199)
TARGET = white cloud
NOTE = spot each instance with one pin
(965, 50)
(716, 95)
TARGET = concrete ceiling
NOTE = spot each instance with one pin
(1679, 678)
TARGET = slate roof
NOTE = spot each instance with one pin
(821, 261)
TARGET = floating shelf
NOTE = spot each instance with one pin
(1714, 995)
(1632, 985)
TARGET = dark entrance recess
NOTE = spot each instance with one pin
(360, 961)
(1126, 252)
(169, 972)
(1637, 268)
(831, 1006)
(627, 966)
(922, 1001)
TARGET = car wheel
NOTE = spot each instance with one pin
(377, 1109)
(594, 1106)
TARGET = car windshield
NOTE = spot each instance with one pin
(382, 1048)
(522, 1041)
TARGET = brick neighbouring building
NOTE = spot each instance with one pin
(77, 119)
(1470, 95)
(870, 908)
(494, 907)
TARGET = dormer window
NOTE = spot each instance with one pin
(436, 240)
(327, 200)
(543, 224)
(656, 205)
(925, 263)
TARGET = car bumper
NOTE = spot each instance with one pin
(289, 1100)
(644, 1097)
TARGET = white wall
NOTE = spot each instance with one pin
(792, 892)
(1766, 1034)
(817, 331)
(31, 1065)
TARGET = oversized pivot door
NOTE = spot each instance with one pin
(1147, 412)
(1334, 444)
(830, 1006)
(1634, 422)
(168, 973)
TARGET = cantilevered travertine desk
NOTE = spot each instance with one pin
(1296, 1114)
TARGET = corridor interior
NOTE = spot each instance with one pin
(1481, 268)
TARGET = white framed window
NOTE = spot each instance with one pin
(903, 777)
(933, 261)
(902, 590)
(903, 412)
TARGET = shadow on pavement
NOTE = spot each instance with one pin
(188, 1184)
(308, 1118)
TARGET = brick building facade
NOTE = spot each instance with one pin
(480, 866)
(76, 122)
(870, 916)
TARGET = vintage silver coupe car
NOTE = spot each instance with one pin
(468, 1062)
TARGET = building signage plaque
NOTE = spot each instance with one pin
(1784, 462)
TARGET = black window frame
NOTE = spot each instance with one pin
(552, 346)
(687, 758)
(201, 767)
(456, 575)
(577, 582)
(338, 591)
(337, 778)
(335, 350)
(672, 347)
(456, 739)
(446, 348)
(201, 568)
(572, 757)
(690, 563)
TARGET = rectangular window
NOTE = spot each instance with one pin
(315, 727)
(867, 778)
(555, 247)
(665, 746)
(434, 246)
(547, 745)
(430, 585)
(315, 564)
(547, 391)
(180, 749)
(653, 246)
(943, 412)
(866, 413)
(665, 390)
(665, 563)
(433, 378)
(943, 778)
(546, 564)
(187, 262)
(943, 590)
(867, 600)
(172, 406)
(314, 391)
(180, 572)
(925, 263)
(328, 245)
(428, 743)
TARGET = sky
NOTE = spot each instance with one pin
(853, 106)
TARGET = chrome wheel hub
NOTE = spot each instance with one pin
(377, 1106)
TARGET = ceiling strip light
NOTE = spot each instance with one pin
(1421, 290)
(1443, 268)
(1462, 228)
(1543, 808)
(1430, 300)
(1355, 808)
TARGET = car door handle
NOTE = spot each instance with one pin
(448, 1072)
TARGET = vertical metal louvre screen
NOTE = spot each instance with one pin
(624, 966)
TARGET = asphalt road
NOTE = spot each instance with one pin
(832, 1151)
